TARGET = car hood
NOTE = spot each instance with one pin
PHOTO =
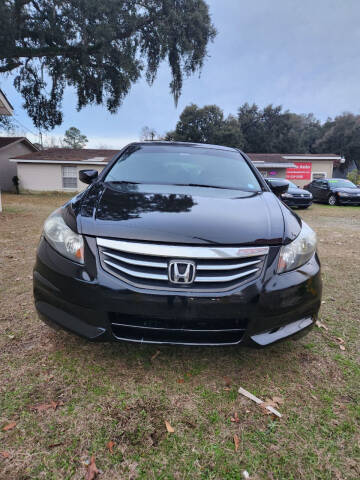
(298, 190)
(353, 191)
(187, 215)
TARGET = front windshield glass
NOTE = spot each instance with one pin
(341, 183)
(183, 165)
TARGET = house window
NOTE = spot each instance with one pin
(318, 175)
(69, 177)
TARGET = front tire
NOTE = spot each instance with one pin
(332, 200)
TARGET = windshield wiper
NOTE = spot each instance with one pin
(123, 181)
(199, 185)
(215, 186)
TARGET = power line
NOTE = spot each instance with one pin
(26, 128)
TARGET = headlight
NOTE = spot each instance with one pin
(310, 195)
(63, 239)
(343, 194)
(286, 195)
(299, 251)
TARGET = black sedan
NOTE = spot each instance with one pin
(294, 196)
(334, 191)
(178, 244)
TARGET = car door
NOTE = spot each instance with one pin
(314, 188)
(324, 190)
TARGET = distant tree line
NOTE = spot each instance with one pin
(270, 130)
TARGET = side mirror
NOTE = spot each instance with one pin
(278, 188)
(88, 176)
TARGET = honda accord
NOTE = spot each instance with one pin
(178, 243)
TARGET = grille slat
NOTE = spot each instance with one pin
(142, 263)
(213, 266)
(227, 278)
(134, 273)
(146, 265)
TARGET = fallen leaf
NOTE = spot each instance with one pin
(278, 400)
(5, 454)
(180, 380)
(110, 446)
(46, 406)
(9, 426)
(92, 471)
(227, 389)
(340, 341)
(269, 403)
(236, 442)
(156, 354)
(321, 325)
(169, 428)
(235, 418)
(264, 406)
(228, 381)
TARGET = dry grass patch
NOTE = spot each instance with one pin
(115, 392)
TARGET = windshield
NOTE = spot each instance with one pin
(183, 165)
(341, 183)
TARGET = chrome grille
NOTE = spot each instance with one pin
(300, 195)
(145, 265)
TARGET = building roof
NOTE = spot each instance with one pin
(88, 155)
(285, 157)
(68, 155)
(5, 106)
(7, 141)
(101, 156)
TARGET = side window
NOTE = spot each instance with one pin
(69, 177)
(318, 175)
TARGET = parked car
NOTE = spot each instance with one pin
(178, 244)
(295, 196)
(334, 191)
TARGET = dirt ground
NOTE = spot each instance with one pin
(118, 393)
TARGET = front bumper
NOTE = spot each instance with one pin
(92, 303)
(300, 202)
(348, 200)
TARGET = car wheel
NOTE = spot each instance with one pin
(303, 208)
(332, 200)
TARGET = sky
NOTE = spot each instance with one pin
(303, 55)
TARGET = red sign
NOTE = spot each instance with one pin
(302, 171)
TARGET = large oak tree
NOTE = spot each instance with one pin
(100, 47)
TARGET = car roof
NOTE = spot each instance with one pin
(185, 144)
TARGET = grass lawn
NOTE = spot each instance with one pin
(116, 392)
